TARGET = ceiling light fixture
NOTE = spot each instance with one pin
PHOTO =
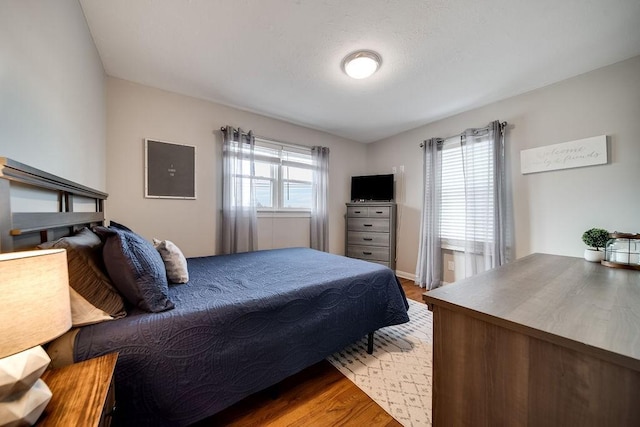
(361, 64)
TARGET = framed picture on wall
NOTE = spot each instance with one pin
(170, 170)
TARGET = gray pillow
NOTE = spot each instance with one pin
(174, 261)
(87, 274)
(136, 269)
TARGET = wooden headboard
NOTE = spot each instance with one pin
(25, 230)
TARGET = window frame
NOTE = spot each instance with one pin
(275, 155)
(455, 241)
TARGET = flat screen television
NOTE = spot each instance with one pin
(372, 187)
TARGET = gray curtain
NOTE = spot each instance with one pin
(429, 265)
(319, 208)
(483, 149)
(485, 194)
(239, 217)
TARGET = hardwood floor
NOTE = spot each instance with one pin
(411, 290)
(318, 396)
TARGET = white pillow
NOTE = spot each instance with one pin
(174, 261)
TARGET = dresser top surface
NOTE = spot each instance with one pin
(561, 299)
(379, 203)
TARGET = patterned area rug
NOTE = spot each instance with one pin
(397, 376)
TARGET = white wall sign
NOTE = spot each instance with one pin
(572, 154)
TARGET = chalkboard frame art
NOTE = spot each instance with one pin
(170, 170)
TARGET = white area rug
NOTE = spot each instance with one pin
(397, 376)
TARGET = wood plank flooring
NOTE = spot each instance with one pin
(318, 396)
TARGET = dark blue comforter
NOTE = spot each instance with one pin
(243, 323)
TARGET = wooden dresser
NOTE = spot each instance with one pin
(543, 341)
(371, 232)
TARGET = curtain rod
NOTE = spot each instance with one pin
(502, 126)
(272, 141)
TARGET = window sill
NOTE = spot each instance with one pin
(454, 248)
(472, 248)
(284, 214)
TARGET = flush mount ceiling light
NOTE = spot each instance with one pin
(361, 64)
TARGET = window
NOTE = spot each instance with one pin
(466, 211)
(282, 177)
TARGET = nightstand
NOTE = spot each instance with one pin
(83, 393)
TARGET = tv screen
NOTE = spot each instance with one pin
(372, 187)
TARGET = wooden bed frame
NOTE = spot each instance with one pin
(26, 230)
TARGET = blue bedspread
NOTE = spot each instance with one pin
(243, 323)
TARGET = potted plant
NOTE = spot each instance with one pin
(595, 238)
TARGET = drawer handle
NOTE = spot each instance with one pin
(368, 225)
(379, 212)
(366, 253)
(368, 239)
(356, 212)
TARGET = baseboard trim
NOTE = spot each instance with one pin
(405, 275)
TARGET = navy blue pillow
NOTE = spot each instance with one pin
(113, 224)
(136, 269)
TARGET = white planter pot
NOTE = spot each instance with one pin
(593, 255)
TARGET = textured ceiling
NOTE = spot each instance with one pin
(281, 58)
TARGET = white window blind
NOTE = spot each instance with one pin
(467, 212)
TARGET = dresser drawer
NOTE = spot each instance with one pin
(357, 211)
(368, 211)
(368, 224)
(368, 238)
(368, 252)
(379, 212)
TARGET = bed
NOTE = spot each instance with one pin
(240, 324)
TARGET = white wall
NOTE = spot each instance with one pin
(52, 97)
(135, 112)
(551, 209)
(53, 108)
(277, 231)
